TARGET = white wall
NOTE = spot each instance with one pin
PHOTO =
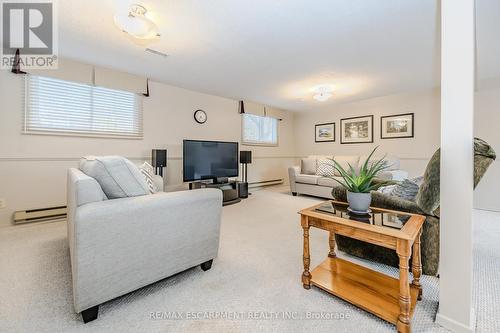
(486, 126)
(33, 167)
(414, 152)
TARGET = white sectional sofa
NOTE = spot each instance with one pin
(305, 180)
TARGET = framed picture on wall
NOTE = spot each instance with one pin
(325, 132)
(356, 130)
(397, 126)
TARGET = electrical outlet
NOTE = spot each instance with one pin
(3, 203)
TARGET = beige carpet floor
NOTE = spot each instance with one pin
(254, 284)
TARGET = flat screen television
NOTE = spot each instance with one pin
(209, 160)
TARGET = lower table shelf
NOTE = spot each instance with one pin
(367, 289)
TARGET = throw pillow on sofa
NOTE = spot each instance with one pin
(345, 161)
(325, 167)
(118, 177)
(406, 189)
(148, 172)
(386, 189)
(308, 166)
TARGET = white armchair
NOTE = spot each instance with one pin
(120, 245)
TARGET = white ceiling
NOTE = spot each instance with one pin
(275, 51)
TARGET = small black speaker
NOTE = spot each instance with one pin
(159, 158)
(246, 156)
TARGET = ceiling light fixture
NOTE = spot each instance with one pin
(137, 24)
(322, 93)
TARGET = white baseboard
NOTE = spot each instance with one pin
(456, 326)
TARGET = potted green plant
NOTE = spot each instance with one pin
(359, 183)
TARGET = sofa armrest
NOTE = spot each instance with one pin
(82, 189)
(292, 172)
(123, 244)
(384, 201)
(295, 170)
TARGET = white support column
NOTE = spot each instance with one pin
(457, 111)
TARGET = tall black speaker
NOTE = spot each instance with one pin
(245, 159)
(159, 160)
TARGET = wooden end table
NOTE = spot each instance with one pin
(386, 297)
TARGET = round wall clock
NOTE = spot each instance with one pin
(200, 116)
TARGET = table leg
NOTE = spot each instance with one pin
(403, 324)
(416, 266)
(306, 276)
(331, 241)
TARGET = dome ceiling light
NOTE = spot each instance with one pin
(137, 24)
(322, 93)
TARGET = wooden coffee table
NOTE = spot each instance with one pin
(386, 297)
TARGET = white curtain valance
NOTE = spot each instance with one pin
(274, 113)
(68, 70)
(75, 71)
(110, 78)
(254, 108)
(260, 110)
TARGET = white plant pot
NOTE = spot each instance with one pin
(359, 202)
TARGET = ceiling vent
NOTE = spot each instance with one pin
(155, 52)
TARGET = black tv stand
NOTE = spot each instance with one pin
(230, 194)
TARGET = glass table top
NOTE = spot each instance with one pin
(375, 217)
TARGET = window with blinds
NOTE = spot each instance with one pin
(61, 107)
(257, 130)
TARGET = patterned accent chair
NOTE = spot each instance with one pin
(426, 203)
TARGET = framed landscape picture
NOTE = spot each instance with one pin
(325, 132)
(356, 130)
(397, 126)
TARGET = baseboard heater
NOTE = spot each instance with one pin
(40, 215)
(59, 213)
(266, 183)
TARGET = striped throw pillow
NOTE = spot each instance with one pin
(407, 189)
(325, 167)
(147, 171)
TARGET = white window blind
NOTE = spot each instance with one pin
(259, 130)
(61, 107)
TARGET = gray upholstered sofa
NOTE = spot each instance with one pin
(304, 180)
(120, 245)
